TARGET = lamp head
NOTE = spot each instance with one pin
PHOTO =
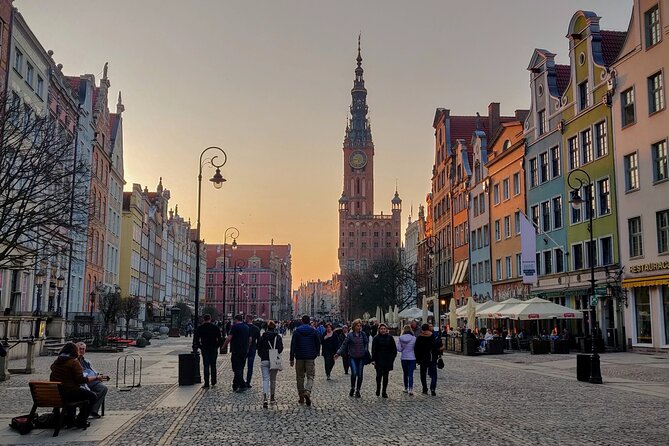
(218, 179)
(60, 281)
(576, 200)
(234, 244)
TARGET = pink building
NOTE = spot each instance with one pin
(249, 279)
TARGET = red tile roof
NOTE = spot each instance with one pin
(244, 252)
(74, 82)
(463, 127)
(562, 75)
(612, 43)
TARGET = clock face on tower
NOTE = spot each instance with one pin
(358, 159)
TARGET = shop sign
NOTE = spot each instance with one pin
(646, 267)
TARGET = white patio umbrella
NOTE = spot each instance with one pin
(462, 311)
(496, 311)
(537, 308)
(452, 316)
(471, 313)
(412, 313)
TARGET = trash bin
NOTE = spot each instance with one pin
(583, 367)
(189, 369)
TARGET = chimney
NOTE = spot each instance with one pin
(493, 118)
(521, 115)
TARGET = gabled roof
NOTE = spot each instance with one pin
(562, 77)
(244, 252)
(612, 43)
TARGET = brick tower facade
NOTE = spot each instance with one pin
(363, 236)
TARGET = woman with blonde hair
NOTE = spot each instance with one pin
(405, 345)
(356, 346)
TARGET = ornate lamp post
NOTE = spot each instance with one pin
(218, 181)
(234, 233)
(238, 264)
(39, 283)
(60, 281)
(576, 183)
(433, 243)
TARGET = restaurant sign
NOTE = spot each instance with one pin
(654, 266)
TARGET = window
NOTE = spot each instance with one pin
(486, 235)
(476, 206)
(474, 274)
(548, 262)
(577, 255)
(574, 160)
(604, 194)
(538, 259)
(30, 74)
(644, 332)
(559, 260)
(555, 162)
(509, 271)
(473, 239)
(18, 61)
(557, 212)
(533, 172)
(583, 96)
(495, 193)
(632, 171)
(601, 144)
(659, 150)
(543, 168)
(662, 231)
(665, 311)
(635, 236)
(516, 184)
(481, 277)
(586, 146)
(487, 270)
(606, 246)
(546, 216)
(519, 263)
(507, 226)
(542, 122)
(497, 233)
(516, 222)
(498, 269)
(481, 203)
(627, 106)
(591, 256)
(655, 93)
(535, 215)
(652, 25)
(505, 188)
(479, 237)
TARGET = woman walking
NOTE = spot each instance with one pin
(384, 353)
(427, 350)
(329, 347)
(405, 345)
(270, 339)
(356, 346)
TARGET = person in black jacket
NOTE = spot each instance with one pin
(427, 350)
(254, 333)
(208, 339)
(384, 352)
(269, 340)
(304, 347)
(329, 346)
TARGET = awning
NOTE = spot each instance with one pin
(646, 281)
(460, 272)
(456, 273)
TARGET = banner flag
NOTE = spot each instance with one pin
(528, 257)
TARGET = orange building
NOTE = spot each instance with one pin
(506, 203)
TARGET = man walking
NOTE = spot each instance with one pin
(304, 347)
(208, 339)
(239, 341)
(254, 334)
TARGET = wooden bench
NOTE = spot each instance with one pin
(50, 394)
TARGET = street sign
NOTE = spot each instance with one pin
(600, 291)
(594, 300)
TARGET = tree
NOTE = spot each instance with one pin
(43, 187)
(129, 309)
(184, 315)
(110, 307)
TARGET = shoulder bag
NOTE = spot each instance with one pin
(274, 357)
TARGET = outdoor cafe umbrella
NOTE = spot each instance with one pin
(413, 313)
(537, 308)
(497, 311)
(471, 312)
(462, 311)
(452, 317)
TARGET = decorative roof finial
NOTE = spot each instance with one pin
(359, 58)
(478, 121)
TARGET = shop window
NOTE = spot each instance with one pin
(644, 332)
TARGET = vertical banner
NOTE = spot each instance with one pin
(528, 243)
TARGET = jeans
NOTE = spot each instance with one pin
(100, 391)
(329, 363)
(79, 395)
(408, 367)
(357, 369)
(250, 358)
(431, 369)
(238, 360)
(268, 378)
(209, 356)
(304, 367)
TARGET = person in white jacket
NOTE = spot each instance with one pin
(405, 345)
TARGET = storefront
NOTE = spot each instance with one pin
(647, 311)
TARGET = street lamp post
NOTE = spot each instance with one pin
(576, 183)
(234, 233)
(218, 181)
(60, 281)
(434, 243)
(238, 264)
(39, 276)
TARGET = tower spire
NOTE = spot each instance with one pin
(359, 133)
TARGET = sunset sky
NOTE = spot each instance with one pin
(269, 82)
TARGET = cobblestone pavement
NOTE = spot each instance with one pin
(479, 401)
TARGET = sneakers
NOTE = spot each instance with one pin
(264, 401)
(272, 400)
(307, 399)
(410, 391)
(405, 390)
(352, 391)
(357, 393)
(301, 400)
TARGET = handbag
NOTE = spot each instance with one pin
(367, 357)
(440, 363)
(275, 357)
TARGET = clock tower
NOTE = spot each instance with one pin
(363, 236)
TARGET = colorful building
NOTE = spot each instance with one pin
(640, 123)
(479, 221)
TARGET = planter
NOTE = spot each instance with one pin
(539, 347)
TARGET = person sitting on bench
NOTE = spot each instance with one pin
(99, 389)
(67, 371)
